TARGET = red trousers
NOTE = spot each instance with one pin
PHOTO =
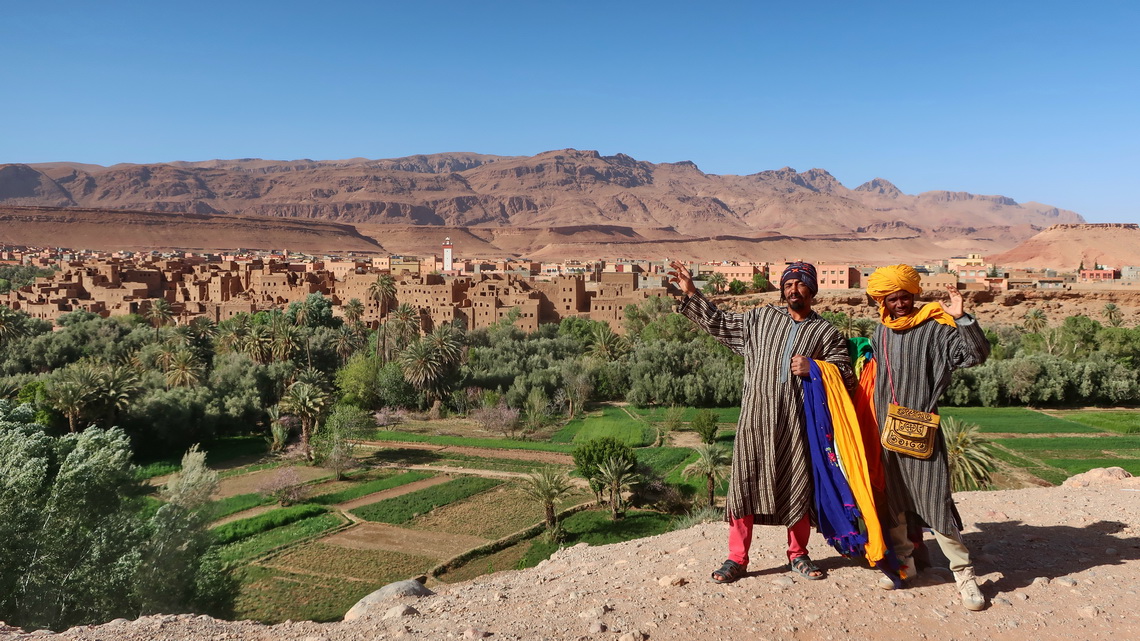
(740, 538)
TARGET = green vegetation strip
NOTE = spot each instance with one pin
(1122, 422)
(369, 487)
(238, 530)
(401, 509)
(611, 421)
(465, 441)
(260, 544)
(663, 460)
(1015, 420)
(239, 503)
(1078, 466)
(415, 456)
(723, 414)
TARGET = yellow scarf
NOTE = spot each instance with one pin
(929, 311)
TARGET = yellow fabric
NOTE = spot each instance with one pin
(929, 311)
(885, 281)
(852, 457)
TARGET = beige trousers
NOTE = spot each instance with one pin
(952, 546)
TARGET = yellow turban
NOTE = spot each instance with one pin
(894, 278)
(888, 280)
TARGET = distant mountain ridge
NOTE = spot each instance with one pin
(552, 189)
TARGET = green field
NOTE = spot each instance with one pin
(596, 528)
(1120, 421)
(723, 414)
(1071, 455)
(1015, 420)
(414, 456)
(365, 488)
(401, 509)
(239, 503)
(252, 547)
(609, 421)
(465, 441)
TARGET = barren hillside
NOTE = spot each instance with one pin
(1069, 246)
(556, 189)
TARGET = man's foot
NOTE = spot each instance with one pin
(803, 566)
(907, 573)
(728, 572)
(972, 598)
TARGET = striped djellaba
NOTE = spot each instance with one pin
(920, 361)
(771, 473)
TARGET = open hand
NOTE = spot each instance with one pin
(681, 275)
(956, 307)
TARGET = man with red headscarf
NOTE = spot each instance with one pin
(917, 348)
(771, 471)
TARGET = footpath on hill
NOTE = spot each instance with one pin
(1057, 564)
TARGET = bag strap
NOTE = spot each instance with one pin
(887, 359)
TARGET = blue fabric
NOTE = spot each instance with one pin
(837, 515)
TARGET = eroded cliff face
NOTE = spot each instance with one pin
(552, 189)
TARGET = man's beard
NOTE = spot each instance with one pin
(797, 305)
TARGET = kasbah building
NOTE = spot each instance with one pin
(470, 293)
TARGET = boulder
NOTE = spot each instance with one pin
(376, 602)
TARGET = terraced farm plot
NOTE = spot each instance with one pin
(610, 421)
(723, 414)
(259, 544)
(343, 492)
(1119, 421)
(490, 515)
(506, 559)
(404, 508)
(250, 483)
(1016, 420)
(1074, 454)
(381, 536)
(447, 457)
(319, 582)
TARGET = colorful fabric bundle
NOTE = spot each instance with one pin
(846, 509)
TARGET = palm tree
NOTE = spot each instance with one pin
(118, 385)
(714, 463)
(185, 370)
(968, 455)
(1113, 314)
(605, 344)
(353, 312)
(347, 341)
(286, 339)
(405, 318)
(69, 398)
(865, 326)
(305, 401)
(159, 314)
(423, 367)
(382, 290)
(11, 324)
(257, 343)
(715, 283)
(448, 341)
(1034, 321)
(547, 486)
(616, 475)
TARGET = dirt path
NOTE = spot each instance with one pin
(381, 536)
(556, 458)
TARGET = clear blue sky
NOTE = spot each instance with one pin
(1033, 100)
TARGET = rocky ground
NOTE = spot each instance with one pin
(1055, 563)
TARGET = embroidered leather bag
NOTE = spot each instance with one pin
(910, 432)
(907, 431)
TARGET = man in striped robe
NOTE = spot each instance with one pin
(916, 351)
(771, 473)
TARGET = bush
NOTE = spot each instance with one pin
(705, 425)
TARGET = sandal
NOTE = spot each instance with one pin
(728, 572)
(803, 566)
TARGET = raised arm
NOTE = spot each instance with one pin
(726, 327)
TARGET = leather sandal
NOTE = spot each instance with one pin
(803, 566)
(729, 571)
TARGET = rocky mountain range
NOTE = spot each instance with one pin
(621, 199)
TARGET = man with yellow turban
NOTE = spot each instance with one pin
(916, 350)
(771, 480)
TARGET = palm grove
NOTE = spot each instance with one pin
(90, 395)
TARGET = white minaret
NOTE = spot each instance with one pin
(447, 247)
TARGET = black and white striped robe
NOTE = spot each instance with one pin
(771, 472)
(921, 360)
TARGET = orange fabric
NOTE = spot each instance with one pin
(869, 424)
(853, 457)
(929, 311)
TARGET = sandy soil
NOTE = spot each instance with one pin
(1055, 563)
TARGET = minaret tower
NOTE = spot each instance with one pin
(447, 247)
